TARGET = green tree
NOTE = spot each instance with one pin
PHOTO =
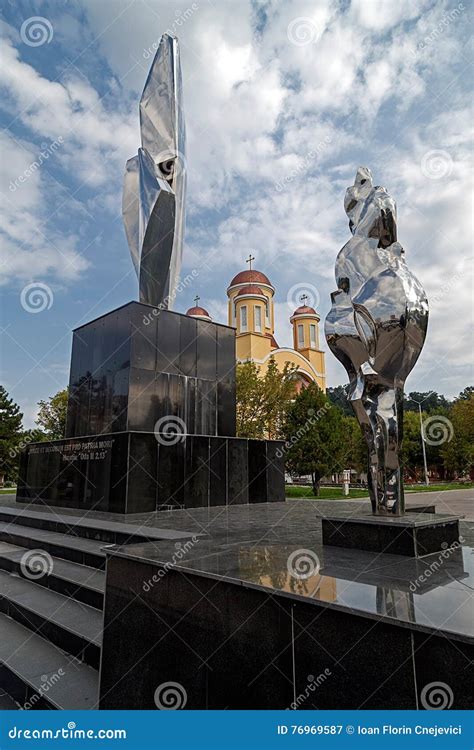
(338, 397)
(314, 436)
(262, 402)
(11, 433)
(430, 401)
(412, 449)
(355, 447)
(52, 415)
(458, 453)
(466, 393)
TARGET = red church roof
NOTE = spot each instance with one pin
(250, 277)
(304, 310)
(250, 289)
(198, 312)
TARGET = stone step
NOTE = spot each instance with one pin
(77, 581)
(40, 675)
(71, 625)
(78, 550)
(7, 703)
(107, 531)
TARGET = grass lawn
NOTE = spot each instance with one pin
(325, 493)
(8, 491)
(335, 493)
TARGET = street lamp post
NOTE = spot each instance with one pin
(427, 481)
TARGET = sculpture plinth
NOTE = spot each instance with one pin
(151, 422)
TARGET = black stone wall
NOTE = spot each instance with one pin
(133, 472)
(151, 422)
(137, 365)
(236, 646)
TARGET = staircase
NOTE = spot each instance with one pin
(52, 584)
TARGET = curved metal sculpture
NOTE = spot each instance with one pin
(155, 181)
(376, 327)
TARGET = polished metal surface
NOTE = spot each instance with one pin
(155, 181)
(376, 328)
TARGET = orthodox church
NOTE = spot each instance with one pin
(251, 312)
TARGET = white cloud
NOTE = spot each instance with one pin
(97, 138)
(28, 249)
(384, 14)
(257, 105)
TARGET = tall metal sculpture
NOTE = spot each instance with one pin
(155, 181)
(376, 327)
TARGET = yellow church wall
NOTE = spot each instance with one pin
(268, 325)
(256, 346)
(281, 356)
(317, 360)
(252, 346)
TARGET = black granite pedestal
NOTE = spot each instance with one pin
(409, 535)
(151, 422)
(139, 472)
(234, 622)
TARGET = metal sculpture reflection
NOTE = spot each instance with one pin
(376, 327)
(155, 181)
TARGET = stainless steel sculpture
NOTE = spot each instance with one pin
(376, 327)
(155, 181)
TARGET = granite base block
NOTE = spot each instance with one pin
(407, 535)
(136, 472)
(228, 644)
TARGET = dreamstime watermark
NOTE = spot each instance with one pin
(47, 682)
(313, 684)
(71, 732)
(35, 564)
(36, 31)
(452, 282)
(24, 443)
(436, 564)
(304, 166)
(313, 418)
(46, 150)
(305, 290)
(181, 550)
(170, 696)
(170, 430)
(302, 31)
(433, 36)
(170, 163)
(36, 297)
(437, 430)
(180, 20)
(303, 564)
(436, 164)
(436, 696)
(180, 286)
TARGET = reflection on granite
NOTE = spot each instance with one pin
(251, 544)
(433, 593)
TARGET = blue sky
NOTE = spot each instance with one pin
(283, 101)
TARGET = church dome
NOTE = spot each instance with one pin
(250, 277)
(199, 312)
(304, 310)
